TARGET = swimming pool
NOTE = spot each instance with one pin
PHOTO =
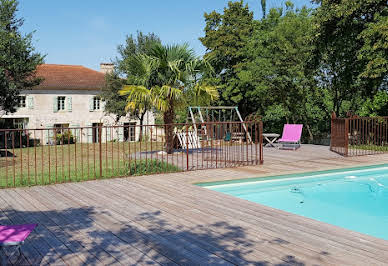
(356, 199)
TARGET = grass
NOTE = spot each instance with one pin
(78, 162)
(368, 147)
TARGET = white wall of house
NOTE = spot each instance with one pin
(41, 111)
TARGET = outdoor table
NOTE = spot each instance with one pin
(270, 138)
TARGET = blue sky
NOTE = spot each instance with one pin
(87, 32)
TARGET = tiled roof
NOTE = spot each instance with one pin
(68, 77)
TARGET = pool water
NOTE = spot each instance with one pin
(353, 199)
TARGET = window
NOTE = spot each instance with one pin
(61, 103)
(60, 128)
(96, 103)
(22, 101)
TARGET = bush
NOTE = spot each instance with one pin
(148, 167)
(65, 138)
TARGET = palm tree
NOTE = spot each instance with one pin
(264, 7)
(172, 78)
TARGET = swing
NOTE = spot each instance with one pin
(211, 113)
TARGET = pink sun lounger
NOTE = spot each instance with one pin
(14, 235)
(291, 136)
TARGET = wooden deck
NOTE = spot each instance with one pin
(164, 219)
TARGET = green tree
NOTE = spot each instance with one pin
(226, 36)
(350, 49)
(377, 106)
(263, 7)
(170, 80)
(18, 59)
(141, 44)
(114, 103)
(280, 87)
(129, 70)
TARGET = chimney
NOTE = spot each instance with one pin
(106, 68)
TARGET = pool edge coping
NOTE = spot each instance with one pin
(286, 176)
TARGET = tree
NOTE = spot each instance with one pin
(350, 49)
(114, 103)
(127, 71)
(18, 59)
(141, 44)
(280, 88)
(226, 36)
(263, 7)
(143, 75)
(176, 80)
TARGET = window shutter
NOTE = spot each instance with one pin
(121, 133)
(55, 104)
(49, 134)
(102, 105)
(108, 135)
(91, 109)
(75, 131)
(30, 102)
(69, 103)
(89, 131)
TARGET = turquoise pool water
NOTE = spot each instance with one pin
(353, 199)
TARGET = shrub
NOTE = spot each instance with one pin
(65, 138)
(148, 167)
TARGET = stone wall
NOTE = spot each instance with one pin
(41, 111)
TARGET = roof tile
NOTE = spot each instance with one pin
(69, 77)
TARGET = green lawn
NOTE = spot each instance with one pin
(370, 147)
(78, 162)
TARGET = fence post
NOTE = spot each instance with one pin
(100, 147)
(261, 142)
(346, 146)
(333, 116)
(187, 147)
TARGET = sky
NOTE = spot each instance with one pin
(87, 32)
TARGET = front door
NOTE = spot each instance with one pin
(96, 128)
(129, 131)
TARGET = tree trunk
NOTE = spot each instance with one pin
(168, 118)
(141, 122)
(311, 136)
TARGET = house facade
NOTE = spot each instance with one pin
(68, 97)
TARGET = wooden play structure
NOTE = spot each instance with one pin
(213, 124)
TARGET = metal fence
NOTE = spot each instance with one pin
(357, 136)
(58, 155)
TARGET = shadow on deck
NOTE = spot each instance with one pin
(73, 237)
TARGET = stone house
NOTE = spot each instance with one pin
(67, 97)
